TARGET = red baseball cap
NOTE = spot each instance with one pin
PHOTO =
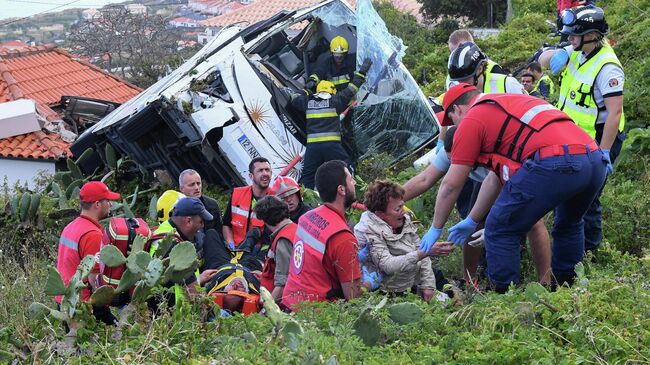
(93, 191)
(450, 96)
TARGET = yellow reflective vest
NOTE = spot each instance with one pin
(577, 89)
(548, 81)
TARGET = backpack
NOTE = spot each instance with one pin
(120, 232)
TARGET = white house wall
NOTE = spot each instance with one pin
(18, 170)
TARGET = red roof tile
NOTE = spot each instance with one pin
(258, 11)
(45, 74)
(35, 145)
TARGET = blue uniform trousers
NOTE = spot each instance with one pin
(568, 184)
(593, 217)
(318, 153)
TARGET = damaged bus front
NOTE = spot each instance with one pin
(229, 103)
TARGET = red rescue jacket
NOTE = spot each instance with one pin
(68, 257)
(242, 216)
(308, 280)
(267, 279)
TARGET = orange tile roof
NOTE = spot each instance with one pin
(44, 74)
(35, 145)
(263, 9)
(257, 11)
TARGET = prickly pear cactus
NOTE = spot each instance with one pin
(103, 296)
(405, 312)
(289, 331)
(111, 256)
(367, 327)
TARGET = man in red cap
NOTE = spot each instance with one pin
(82, 236)
(543, 161)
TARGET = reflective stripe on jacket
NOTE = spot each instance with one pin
(68, 257)
(243, 217)
(308, 279)
(577, 89)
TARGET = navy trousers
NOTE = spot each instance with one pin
(317, 154)
(567, 184)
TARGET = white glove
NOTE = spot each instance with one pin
(479, 240)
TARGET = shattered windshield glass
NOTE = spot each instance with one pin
(391, 114)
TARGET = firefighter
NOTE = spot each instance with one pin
(337, 69)
(288, 190)
(322, 112)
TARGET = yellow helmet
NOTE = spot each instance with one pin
(166, 202)
(339, 45)
(326, 86)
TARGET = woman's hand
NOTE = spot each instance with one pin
(441, 249)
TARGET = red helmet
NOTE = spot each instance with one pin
(284, 186)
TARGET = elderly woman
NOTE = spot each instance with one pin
(393, 242)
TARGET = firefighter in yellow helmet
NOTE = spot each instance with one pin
(338, 69)
(323, 125)
(165, 204)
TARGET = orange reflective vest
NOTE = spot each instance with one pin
(267, 279)
(308, 279)
(242, 216)
(251, 301)
(68, 257)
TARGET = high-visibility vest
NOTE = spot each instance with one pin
(549, 82)
(308, 279)
(577, 89)
(529, 115)
(494, 83)
(161, 232)
(243, 217)
(121, 232)
(323, 121)
(267, 279)
(69, 258)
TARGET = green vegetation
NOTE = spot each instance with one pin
(604, 318)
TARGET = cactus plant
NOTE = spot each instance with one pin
(405, 312)
(25, 200)
(74, 169)
(285, 327)
(70, 298)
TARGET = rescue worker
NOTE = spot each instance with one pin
(544, 161)
(527, 80)
(275, 214)
(239, 217)
(323, 127)
(82, 237)
(468, 64)
(458, 37)
(190, 184)
(563, 5)
(337, 69)
(324, 265)
(591, 92)
(544, 85)
(187, 218)
(288, 190)
(165, 204)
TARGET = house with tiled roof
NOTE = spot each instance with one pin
(44, 74)
(264, 9)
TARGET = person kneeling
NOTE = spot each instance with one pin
(393, 241)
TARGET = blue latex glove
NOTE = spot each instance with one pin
(610, 167)
(231, 246)
(430, 238)
(459, 233)
(440, 144)
(364, 253)
(374, 278)
(559, 60)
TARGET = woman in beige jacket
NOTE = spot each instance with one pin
(394, 242)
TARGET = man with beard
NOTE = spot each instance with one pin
(239, 217)
(82, 237)
(324, 262)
